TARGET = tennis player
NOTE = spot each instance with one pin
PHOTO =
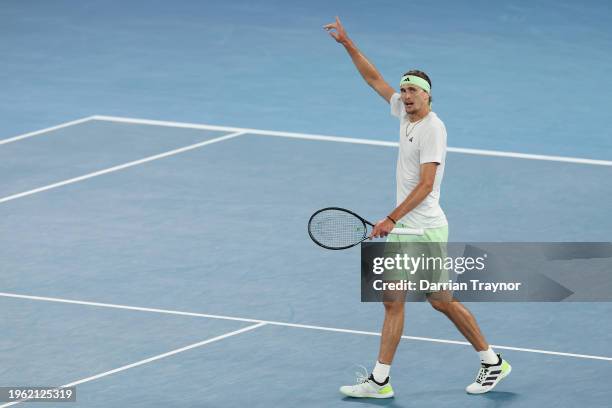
(420, 168)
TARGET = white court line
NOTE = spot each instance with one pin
(154, 358)
(294, 135)
(119, 167)
(46, 130)
(295, 325)
(478, 152)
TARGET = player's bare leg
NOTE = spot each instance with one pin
(463, 319)
(393, 327)
(377, 384)
(493, 367)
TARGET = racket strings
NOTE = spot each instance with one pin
(337, 229)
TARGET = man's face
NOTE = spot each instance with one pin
(414, 98)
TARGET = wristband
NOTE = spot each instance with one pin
(392, 220)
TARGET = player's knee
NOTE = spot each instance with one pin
(440, 305)
(394, 307)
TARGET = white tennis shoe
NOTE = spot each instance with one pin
(366, 387)
(488, 376)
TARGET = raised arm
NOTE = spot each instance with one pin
(367, 70)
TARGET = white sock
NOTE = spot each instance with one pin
(381, 371)
(488, 356)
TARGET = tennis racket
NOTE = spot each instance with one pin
(339, 228)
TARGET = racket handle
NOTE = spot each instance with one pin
(407, 231)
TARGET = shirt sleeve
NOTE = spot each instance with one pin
(433, 146)
(397, 107)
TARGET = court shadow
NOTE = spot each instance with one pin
(388, 402)
(495, 399)
(500, 398)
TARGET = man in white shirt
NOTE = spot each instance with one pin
(420, 168)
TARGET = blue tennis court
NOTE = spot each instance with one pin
(134, 262)
(159, 163)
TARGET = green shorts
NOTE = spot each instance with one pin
(426, 255)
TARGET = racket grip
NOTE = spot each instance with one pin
(407, 231)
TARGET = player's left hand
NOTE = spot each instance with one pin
(382, 228)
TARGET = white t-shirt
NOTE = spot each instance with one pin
(420, 142)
